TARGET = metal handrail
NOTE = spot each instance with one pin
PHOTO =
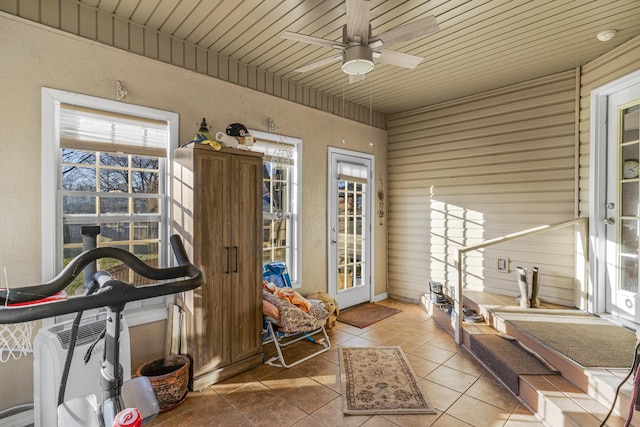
(457, 307)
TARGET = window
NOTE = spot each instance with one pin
(121, 194)
(106, 163)
(280, 201)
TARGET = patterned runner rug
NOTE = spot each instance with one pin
(379, 380)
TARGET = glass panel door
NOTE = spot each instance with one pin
(349, 222)
(623, 205)
(351, 239)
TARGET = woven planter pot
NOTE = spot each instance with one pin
(169, 377)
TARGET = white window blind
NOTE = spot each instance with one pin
(277, 152)
(97, 130)
(352, 172)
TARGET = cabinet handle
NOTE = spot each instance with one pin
(228, 258)
(236, 248)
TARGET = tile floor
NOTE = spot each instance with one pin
(460, 389)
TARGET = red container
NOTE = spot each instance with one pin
(129, 417)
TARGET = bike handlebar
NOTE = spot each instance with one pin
(113, 292)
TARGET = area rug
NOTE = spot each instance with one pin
(366, 314)
(379, 380)
(507, 359)
(592, 344)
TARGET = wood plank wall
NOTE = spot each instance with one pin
(91, 23)
(479, 168)
(609, 67)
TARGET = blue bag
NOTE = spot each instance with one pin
(276, 273)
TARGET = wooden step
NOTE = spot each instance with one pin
(576, 397)
(558, 402)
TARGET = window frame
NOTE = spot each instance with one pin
(294, 265)
(51, 160)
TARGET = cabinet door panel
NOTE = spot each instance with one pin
(246, 208)
(211, 299)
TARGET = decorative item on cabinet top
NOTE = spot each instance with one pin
(236, 136)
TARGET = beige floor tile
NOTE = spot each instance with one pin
(466, 364)
(332, 354)
(421, 367)
(314, 366)
(264, 407)
(330, 378)
(435, 354)
(417, 420)
(233, 383)
(441, 397)
(310, 396)
(452, 378)
(207, 410)
(444, 341)
(308, 421)
(449, 421)
(338, 336)
(478, 413)
(350, 329)
(285, 380)
(358, 342)
(331, 415)
(378, 421)
(494, 394)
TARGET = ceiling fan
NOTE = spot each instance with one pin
(359, 50)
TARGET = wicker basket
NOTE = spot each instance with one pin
(169, 378)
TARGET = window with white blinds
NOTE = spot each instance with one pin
(110, 167)
(112, 175)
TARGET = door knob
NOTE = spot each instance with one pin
(609, 221)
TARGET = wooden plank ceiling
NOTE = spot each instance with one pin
(482, 44)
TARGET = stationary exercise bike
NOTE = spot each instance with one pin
(104, 291)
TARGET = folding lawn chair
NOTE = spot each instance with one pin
(285, 322)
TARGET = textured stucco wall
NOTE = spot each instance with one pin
(34, 57)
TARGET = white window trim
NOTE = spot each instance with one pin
(50, 161)
(296, 201)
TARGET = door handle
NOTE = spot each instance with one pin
(609, 221)
(236, 249)
(228, 259)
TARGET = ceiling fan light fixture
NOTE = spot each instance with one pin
(358, 59)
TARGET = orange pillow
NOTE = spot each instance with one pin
(288, 294)
(270, 310)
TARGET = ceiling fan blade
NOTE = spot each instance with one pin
(311, 40)
(355, 78)
(398, 59)
(409, 31)
(318, 64)
(358, 20)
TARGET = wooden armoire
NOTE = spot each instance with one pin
(217, 209)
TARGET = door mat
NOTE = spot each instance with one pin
(507, 359)
(590, 344)
(367, 314)
(379, 380)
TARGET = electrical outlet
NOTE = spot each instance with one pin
(503, 265)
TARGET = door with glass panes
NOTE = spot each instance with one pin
(349, 221)
(623, 205)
